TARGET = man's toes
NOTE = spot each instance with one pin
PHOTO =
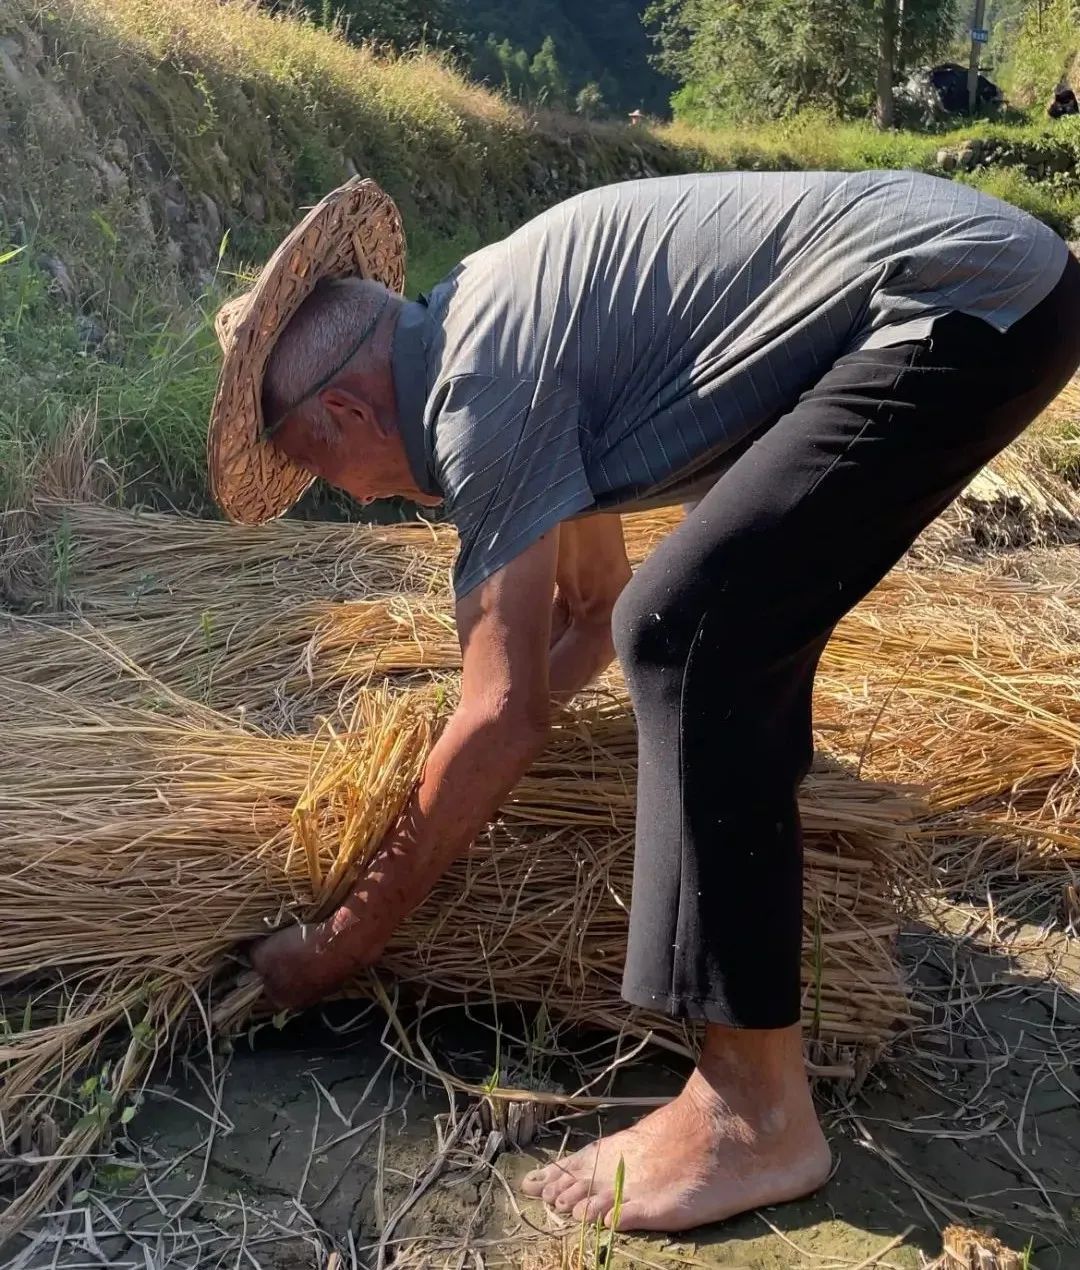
(593, 1208)
(559, 1179)
(533, 1183)
(631, 1217)
(572, 1195)
(539, 1180)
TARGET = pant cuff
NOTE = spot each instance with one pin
(706, 1009)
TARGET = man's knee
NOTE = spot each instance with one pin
(651, 632)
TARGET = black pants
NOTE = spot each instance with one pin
(721, 630)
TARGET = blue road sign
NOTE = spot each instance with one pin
(980, 35)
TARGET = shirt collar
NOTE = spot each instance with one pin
(409, 364)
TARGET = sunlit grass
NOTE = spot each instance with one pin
(150, 384)
(233, 99)
(816, 141)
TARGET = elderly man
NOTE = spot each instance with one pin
(818, 363)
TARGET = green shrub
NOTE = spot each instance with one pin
(1042, 51)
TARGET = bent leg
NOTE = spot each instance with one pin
(719, 634)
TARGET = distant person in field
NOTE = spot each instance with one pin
(1063, 102)
(816, 364)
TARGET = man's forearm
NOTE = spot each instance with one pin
(583, 651)
(471, 769)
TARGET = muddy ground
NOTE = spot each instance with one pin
(324, 1138)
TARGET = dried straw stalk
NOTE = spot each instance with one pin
(979, 705)
(962, 681)
(143, 563)
(965, 1249)
(142, 850)
(959, 679)
(275, 659)
(144, 846)
(249, 653)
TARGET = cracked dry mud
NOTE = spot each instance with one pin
(985, 1124)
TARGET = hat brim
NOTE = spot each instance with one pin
(355, 231)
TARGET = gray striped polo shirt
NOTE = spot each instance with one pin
(611, 351)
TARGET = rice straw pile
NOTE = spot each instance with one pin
(142, 847)
(276, 660)
(139, 850)
(957, 678)
(171, 794)
(1016, 501)
(975, 698)
(962, 680)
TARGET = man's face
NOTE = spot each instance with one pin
(334, 457)
(351, 449)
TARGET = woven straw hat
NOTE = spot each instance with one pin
(354, 232)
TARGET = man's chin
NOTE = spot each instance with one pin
(366, 497)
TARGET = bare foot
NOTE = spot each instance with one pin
(296, 967)
(702, 1158)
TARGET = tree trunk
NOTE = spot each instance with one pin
(903, 42)
(886, 57)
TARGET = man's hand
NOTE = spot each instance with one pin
(298, 969)
(591, 572)
(498, 729)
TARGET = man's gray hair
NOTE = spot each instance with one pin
(338, 317)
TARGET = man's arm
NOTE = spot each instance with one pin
(591, 572)
(498, 729)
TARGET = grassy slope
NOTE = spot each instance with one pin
(138, 133)
(1040, 50)
(127, 118)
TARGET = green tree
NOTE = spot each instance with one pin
(589, 101)
(774, 57)
(888, 51)
(401, 24)
(548, 82)
(516, 69)
(602, 41)
(927, 29)
(1044, 45)
(487, 66)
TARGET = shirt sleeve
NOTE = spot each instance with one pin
(508, 459)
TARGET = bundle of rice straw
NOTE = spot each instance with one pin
(274, 659)
(143, 846)
(961, 681)
(979, 703)
(1018, 501)
(150, 835)
(126, 564)
(958, 678)
(908, 680)
(204, 635)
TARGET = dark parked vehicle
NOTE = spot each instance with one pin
(932, 94)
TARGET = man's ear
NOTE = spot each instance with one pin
(350, 411)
